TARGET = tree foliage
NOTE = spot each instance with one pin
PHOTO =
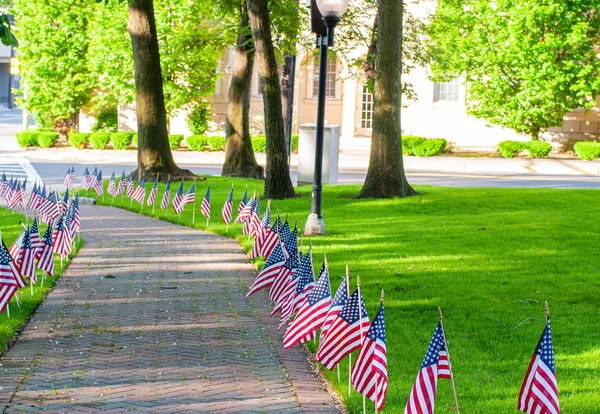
(54, 42)
(6, 35)
(526, 63)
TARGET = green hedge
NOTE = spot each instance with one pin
(538, 149)
(28, 138)
(423, 147)
(99, 140)
(78, 139)
(510, 149)
(587, 150)
(121, 140)
(47, 139)
(175, 141)
(197, 142)
(204, 143)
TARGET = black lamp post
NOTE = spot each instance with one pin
(331, 12)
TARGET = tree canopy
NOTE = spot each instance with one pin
(526, 64)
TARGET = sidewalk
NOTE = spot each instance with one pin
(354, 159)
(169, 331)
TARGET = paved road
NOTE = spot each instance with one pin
(53, 173)
(170, 331)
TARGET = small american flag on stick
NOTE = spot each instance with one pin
(46, 258)
(311, 315)
(26, 258)
(227, 210)
(436, 364)
(188, 198)
(178, 199)
(140, 192)
(98, 185)
(242, 205)
(369, 374)
(346, 332)
(539, 392)
(205, 206)
(166, 195)
(130, 186)
(272, 266)
(153, 192)
(112, 186)
(121, 187)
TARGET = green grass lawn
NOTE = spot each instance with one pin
(11, 227)
(488, 257)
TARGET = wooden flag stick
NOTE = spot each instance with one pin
(155, 196)
(350, 355)
(449, 363)
(194, 208)
(8, 310)
(546, 311)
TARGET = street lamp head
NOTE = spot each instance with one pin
(332, 10)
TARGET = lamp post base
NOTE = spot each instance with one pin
(315, 226)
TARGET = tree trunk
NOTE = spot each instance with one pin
(288, 80)
(278, 184)
(386, 177)
(154, 154)
(239, 156)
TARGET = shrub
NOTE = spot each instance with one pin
(259, 143)
(430, 147)
(175, 141)
(216, 143)
(99, 140)
(409, 142)
(199, 117)
(28, 138)
(78, 139)
(121, 140)
(197, 142)
(107, 121)
(538, 149)
(47, 139)
(134, 140)
(587, 150)
(510, 149)
(294, 142)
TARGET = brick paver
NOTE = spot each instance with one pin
(151, 317)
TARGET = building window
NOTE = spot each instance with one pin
(446, 91)
(259, 85)
(366, 119)
(331, 84)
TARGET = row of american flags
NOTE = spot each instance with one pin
(307, 309)
(35, 249)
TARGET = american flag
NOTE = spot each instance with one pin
(369, 374)
(76, 216)
(272, 266)
(166, 196)
(86, 181)
(8, 190)
(26, 258)
(34, 235)
(242, 205)
(539, 392)
(69, 223)
(72, 174)
(227, 209)
(435, 365)
(140, 192)
(121, 186)
(48, 208)
(153, 192)
(15, 195)
(244, 216)
(304, 283)
(178, 199)
(93, 177)
(3, 185)
(188, 198)
(22, 194)
(112, 185)
(10, 278)
(14, 248)
(339, 300)
(281, 281)
(270, 238)
(46, 258)
(60, 238)
(254, 220)
(41, 196)
(311, 315)
(31, 204)
(69, 233)
(62, 204)
(205, 206)
(264, 228)
(346, 332)
(130, 186)
(68, 180)
(98, 185)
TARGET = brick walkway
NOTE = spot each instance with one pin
(169, 331)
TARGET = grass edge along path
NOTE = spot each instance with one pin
(10, 328)
(488, 257)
